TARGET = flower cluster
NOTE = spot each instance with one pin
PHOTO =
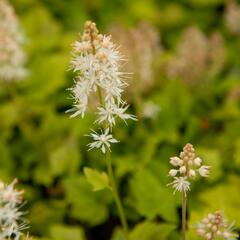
(196, 56)
(97, 61)
(12, 222)
(232, 17)
(142, 57)
(12, 57)
(186, 166)
(215, 226)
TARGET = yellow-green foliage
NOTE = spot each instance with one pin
(46, 150)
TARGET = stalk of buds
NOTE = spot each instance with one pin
(216, 226)
(97, 61)
(185, 168)
(12, 222)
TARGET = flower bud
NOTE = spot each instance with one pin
(201, 232)
(214, 228)
(173, 172)
(175, 161)
(182, 169)
(226, 234)
(204, 171)
(192, 173)
(208, 236)
(197, 161)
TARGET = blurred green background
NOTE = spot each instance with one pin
(185, 87)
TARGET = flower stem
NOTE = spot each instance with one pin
(100, 95)
(184, 208)
(116, 195)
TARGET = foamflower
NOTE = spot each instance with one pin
(96, 61)
(102, 140)
(12, 222)
(185, 168)
(215, 226)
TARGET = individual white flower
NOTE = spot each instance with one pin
(12, 222)
(204, 171)
(9, 195)
(110, 112)
(102, 140)
(180, 184)
(121, 113)
(106, 114)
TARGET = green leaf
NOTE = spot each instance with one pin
(151, 231)
(64, 159)
(159, 201)
(63, 232)
(99, 181)
(44, 213)
(86, 205)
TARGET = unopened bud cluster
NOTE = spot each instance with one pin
(215, 226)
(97, 61)
(12, 222)
(186, 166)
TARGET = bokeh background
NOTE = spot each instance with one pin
(185, 87)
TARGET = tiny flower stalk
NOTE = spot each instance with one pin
(216, 227)
(186, 166)
(96, 62)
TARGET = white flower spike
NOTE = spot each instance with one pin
(97, 62)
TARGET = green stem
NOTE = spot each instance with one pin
(184, 208)
(100, 95)
(116, 195)
(112, 182)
